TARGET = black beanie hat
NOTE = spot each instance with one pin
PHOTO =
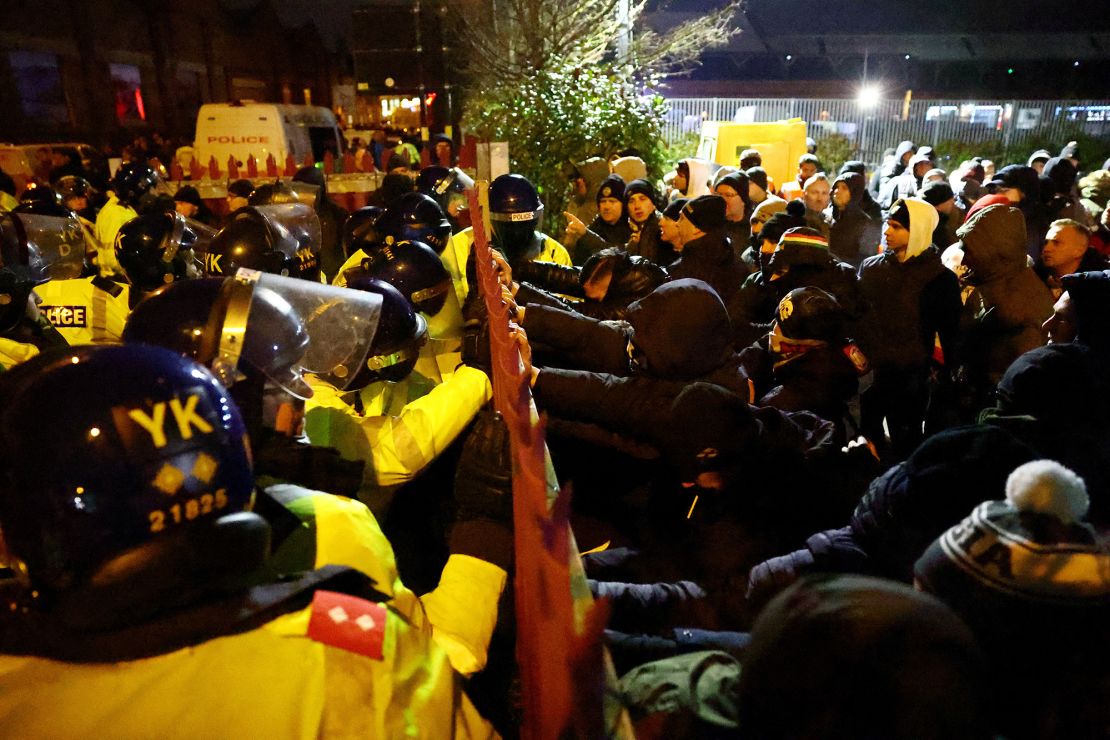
(712, 429)
(673, 211)
(937, 192)
(758, 175)
(611, 187)
(793, 217)
(707, 212)
(900, 213)
(642, 187)
(853, 165)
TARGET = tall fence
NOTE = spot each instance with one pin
(870, 130)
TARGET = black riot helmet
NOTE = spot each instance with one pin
(40, 195)
(124, 480)
(256, 324)
(413, 268)
(442, 184)
(515, 212)
(159, 248)
(318, 182)
(273, 193)
(416, 217)
(133, 182)
(401, 332)
(72, 186)
(278, 239)
(360, 230)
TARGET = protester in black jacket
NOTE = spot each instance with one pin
(911, 299)
(707, 254)
(852, 234)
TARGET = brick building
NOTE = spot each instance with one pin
(104, 70)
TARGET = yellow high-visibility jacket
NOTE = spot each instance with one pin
(86, 310)
(110, 219)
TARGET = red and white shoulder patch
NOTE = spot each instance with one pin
(348, 622)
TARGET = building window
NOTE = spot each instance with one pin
(39, 83)
(127, 83)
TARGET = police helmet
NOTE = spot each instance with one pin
(44, 207)
(269, 194)
(811, 314)
(134, 180)
(360, 230)
(40, 195)
(114, 460)
(193, 317)
(516, 213)
(21, 269)
(72, 186)
(416, 217)
(400, 334)
(157, 248)
(414, 269)
(314, 177)
(254, 240)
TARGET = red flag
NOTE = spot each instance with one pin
(562, 671)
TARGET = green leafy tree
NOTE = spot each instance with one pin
(565, 80)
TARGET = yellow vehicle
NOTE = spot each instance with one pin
(780, 143)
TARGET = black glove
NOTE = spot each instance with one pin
(484, 493)
(484, 476)
(475, 346)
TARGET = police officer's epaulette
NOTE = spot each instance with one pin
(109, 286)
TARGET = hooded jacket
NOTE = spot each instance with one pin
(1090, 297)
(1094, 192)
(891, 168)
(701, 170)
(1061, 195)
(904, 185)
(712, 259)
(1005, 321)
(852, 234)
(594, 170)
(908, 302)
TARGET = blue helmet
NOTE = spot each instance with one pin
(133, 181)
(108, 456)
(158, 248)
(515, 213)
(400, 334)
(360, 230)
(416, 217)
(514, 199)
(412, 268)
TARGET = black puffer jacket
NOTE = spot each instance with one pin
(904, 510)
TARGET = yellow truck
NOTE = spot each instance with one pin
(780, 143)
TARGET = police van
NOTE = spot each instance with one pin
(240, 129)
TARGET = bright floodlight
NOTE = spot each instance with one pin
(868, 96)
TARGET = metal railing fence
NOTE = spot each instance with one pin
(1001, 124)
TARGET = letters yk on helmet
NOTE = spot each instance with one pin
(66, 316)
(185, 419)
(212, 263)
(238, 139)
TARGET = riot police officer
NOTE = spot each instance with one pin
(132, 190)
(130, 517)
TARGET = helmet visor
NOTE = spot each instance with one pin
(297, 224)
(339, 323)
(60, 242)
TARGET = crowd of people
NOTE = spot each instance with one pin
(838, 445)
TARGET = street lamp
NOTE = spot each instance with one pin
(868, 96)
